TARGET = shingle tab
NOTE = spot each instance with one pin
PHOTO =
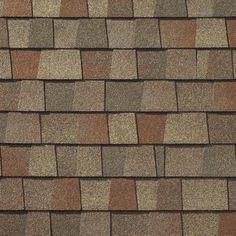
(170, 64)
(209, 8)
(16, 8)
(122, 128)
(209, 223)
(205, 194)
(19, 128)
(110, 8)
(63, 8)
(164, 194)
(128, 161)
(71, 128)
(87, 223)
(52, 194)
(141, 96)
(139, 33)
(31, 223)
(116, 64)
(178, 33)
(172, 128)
(222, 128)
(139, 224)
(82, 33)
(22, 96)
(75, 96)
(160, 8)
(11, 195)
(28, 161)
(209, 161)
(79, 161)
(214, 65)
(207, 96)
(35, 33)
(112, 194)
(46, 64)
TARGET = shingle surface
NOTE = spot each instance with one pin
(117, 117)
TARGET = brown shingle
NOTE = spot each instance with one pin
(172, 128)
(170, 64)
(219, 96)
(140, 224)
(222, 128)
(209, 8)
(11, 195)
(22, 96)
(19, 128)
(151, 128)
(63, 8)
(110, 8)
(164, 194)
(214, 64)
(33, 33)
(128, 161)
(205, 194)
(160, 8)
(112, 194)
(25, 64)
(178, 33)
(116, 64)
(140, 96)
(207, 224)
(86, 223)
(16, 8)
(31, 223)
(82, 33)
(79, 161)
(75, 128)
(212, 161)
(28, 161)
(52, 194)
(73, 8)
(75, 96)
(139, 33)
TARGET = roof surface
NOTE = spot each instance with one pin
(118, 117)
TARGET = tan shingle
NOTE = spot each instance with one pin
(79, 161)
(122, 128)
(205, 194)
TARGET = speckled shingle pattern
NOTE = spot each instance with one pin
(118, 117)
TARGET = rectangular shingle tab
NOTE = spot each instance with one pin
(28, 160)
(208, 161)
(22, 96)
(82, 33)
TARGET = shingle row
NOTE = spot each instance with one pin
(118, 128)
(98, 33)
(115, 8)
(90, 223)
(146, 96)
(119, 161)
(117, 194)
(171, 64)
